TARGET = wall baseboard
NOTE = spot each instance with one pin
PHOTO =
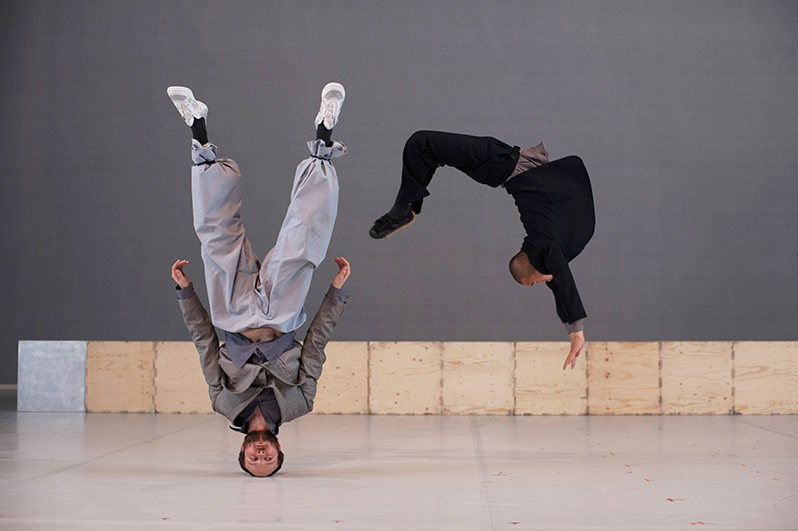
(476, 378)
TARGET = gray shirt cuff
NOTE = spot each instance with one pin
(338, 294)
(185, 293)
(576, 326)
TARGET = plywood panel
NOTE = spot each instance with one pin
(343, 386)
(477, 377)
(542, 387)
(696, 377)
(766, 377)
(405, 378)
(623, 378)
(179, 384)
(120, 376)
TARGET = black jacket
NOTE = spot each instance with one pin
(556, 205)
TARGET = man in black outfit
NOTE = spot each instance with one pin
(555, 201)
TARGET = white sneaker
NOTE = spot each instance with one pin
(188, 107)
(332, 99)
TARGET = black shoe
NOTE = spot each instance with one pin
(385, 226)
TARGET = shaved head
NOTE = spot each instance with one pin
(520, 267)
(523, 272)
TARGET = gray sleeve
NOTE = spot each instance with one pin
(338, 294)
(576, 326)
(206, 342)
(313, 356)
(185, 293)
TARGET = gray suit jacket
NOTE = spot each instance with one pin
(293, 376)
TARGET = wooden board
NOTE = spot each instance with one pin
(623, 378)
(477, 378)
(473, 378)
(766, 377)
(179, 384)
(343, 386)
(120, 376)
(696, 377)
(542, 387)
(405, 378)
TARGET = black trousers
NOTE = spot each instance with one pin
(485, 159)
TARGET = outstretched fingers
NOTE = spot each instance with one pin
(577, 344)
(571, 359)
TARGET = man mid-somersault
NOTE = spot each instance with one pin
(555, 201)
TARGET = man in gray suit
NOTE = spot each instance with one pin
(261, 376)
(271, 387)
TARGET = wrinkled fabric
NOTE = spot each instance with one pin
(530, 158)
(269, 408)
(242, 350)
(485, 159)
(293, 376)
(244, 292)
(555, 201)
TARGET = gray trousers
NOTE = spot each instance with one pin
(244, 292)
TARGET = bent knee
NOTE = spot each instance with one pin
(419, 137)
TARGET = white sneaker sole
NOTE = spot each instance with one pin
(179, 93)
(326, 114)
(329, 87)
(188, 107)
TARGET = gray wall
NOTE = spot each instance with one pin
(684, 112)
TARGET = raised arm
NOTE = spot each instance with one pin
(200, 328)
(320, 332)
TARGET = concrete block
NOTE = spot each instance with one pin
(51, 376)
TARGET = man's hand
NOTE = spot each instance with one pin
(343, 272)
(577, 342)
(178, 276)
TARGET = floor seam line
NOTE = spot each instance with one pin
(479, 452)
(749, 423)
(106, 454)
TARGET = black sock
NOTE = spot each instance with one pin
(198, 131)
(399, 211)
(322, 133)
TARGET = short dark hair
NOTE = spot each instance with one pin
(520, 267)
(280, 459)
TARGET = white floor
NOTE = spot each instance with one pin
(95, 471)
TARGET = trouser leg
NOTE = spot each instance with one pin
(485, 159)
(230, 265)
(304, 237)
